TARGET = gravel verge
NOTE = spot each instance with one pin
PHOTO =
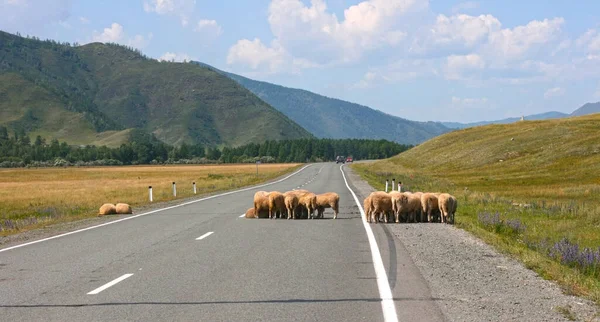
(477, 283)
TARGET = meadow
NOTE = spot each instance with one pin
(33, 198)
(531, 189)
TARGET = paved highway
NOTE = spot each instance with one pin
(202, 262)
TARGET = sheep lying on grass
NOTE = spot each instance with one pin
(107, 209)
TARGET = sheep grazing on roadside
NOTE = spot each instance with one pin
(381, 205)
(395, 195)
(328, 200)
(309, 202)
(367, 205)
(107, 209)
(447, 204)
(250, 213)
(409, 205)
(261, 201)
(290, 200)
(429, 204)
(276, 204)
(123, 209)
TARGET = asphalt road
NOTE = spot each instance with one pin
(202, 262)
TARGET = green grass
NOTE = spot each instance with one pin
(548, 180)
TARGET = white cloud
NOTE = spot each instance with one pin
(457, 67)
(116, 34)
(553, 92)
(463, 29)
(181, 8)
(209, 28)
(84, 20)
(175, 57)
(590, 41)
(469, 102)
(515, 43)
(31, 16)
(112, 34)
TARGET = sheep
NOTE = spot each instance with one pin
(447, 204)
(368, 204)
(107, 209)
(251, 214)
(429, 203)
(382, 204)
(276, 204)
(409, 204)
(328, 200)
(261, 201)
(290, 200)
(395, 195)
(123, 208)
(308, 201)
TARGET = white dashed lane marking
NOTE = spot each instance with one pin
(109, 284)
(205, 235)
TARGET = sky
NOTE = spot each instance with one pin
(424, 60)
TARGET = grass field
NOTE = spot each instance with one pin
(32, 198)
(531, 189)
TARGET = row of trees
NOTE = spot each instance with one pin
(19, 150)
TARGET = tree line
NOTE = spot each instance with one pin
(19, 150)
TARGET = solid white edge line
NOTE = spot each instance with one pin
(385, 292)
(109, 284)
(153, 211)
(205, 235)
(243, 215)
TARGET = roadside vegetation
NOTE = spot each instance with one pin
(531, 189)
(34, 198)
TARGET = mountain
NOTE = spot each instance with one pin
(589, 108)
(333, 118)
(98, 93)
(542, 116)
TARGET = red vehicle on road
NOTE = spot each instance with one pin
(349, 159)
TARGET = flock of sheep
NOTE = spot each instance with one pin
(293, 204)
(408, 206)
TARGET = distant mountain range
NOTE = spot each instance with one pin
(333, 118)
(99, 93)
(589, 108)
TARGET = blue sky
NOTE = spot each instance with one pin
(422, 60)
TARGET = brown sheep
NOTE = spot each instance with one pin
(290, 199)
(107, 209)
(276, 204)
(328, 200)
(308, 201)
(410, 205)
(261, 201)
(251, 214)
(367, 208)
(123, 208)
(395, 195)
(382, 204)
(447, 204)
(429, 204)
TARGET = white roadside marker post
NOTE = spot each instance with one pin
(393, 184)
(174, 189)
(386, 185)
(150, 192)
(194, 184)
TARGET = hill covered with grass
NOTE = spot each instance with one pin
(97, 93)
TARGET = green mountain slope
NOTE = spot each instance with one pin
(332, 118)
(95, 93)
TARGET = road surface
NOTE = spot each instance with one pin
(202, 262)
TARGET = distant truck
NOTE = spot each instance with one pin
(339, 159)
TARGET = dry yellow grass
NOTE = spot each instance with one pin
(36, 197)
